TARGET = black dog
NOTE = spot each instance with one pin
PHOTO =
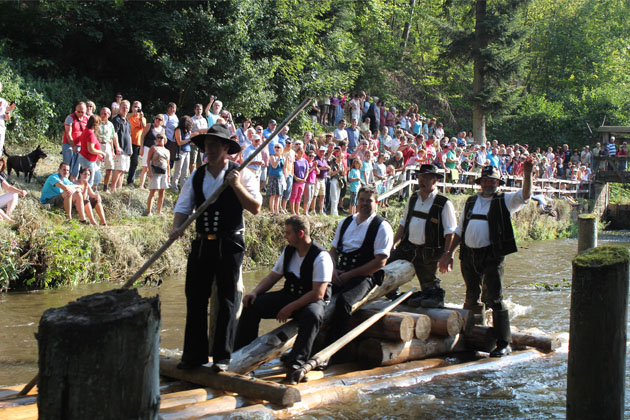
(26, 163)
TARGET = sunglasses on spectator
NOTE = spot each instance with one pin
(159, 119)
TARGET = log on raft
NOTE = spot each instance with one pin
(393, 326)
(374, 352)
(421, 324)
(481, 338)
(271, 345)
(444, 321)
(231, 382)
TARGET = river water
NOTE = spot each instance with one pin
(533, 390)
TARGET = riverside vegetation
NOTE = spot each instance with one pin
(43, 251)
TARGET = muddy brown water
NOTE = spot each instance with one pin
(534, 390)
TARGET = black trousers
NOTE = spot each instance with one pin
(267, 306)
(133, 164)
(483, 273)
(209, 261)
(347, 295)
(423, 260)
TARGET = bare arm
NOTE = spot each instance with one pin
(446, 261)
(265, 284)
(399, 234)
(178, 220)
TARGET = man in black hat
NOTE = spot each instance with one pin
(217, 252)
(307, 269)
(485, 232)
(425, 233)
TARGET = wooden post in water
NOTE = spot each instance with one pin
(98, 358)
(587, 232)
(597, 341)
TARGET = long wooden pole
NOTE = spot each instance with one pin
(210, 199)
(327, 353)
(195, 215)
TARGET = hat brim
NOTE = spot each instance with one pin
(435, 174)
(478, 180)
(200, 142)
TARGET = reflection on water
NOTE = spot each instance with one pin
(535, 390)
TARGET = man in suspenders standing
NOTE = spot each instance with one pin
(485, 232)
(426, 230)
(217, 252)
(360, 248)
(307, 269)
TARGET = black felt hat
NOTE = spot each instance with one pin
(428, 169)
(221, 132)
(490, 172)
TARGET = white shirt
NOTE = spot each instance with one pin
(322, 266)
(3, 108)
(199, 123)
(354, 235)
(341, 134)
(186, 201)
(477, 231)
(417, 225)
(393, 144)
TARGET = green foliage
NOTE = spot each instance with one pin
(563, 284)
(619, 193)
(9, 268)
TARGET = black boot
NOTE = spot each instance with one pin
(501, 327)
(434, 298)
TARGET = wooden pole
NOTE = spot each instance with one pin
(271, 345)
(597, 343)
(587, 232)
(246, 386)
(328, 352)
(98, 358)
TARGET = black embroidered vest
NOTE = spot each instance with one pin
(433, 226)
(499, 224)
(365, 253)
(300, 286)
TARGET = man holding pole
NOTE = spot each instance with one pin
(360, 248)
(485, 232)
(217, 252)
(307, 269)
(425, 233)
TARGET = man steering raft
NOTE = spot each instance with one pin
(426, 229)
(217, 252)
(486, 228)
(360, 248)
(307, 269)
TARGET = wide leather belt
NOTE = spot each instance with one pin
(207, 237)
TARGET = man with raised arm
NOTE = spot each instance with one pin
(486, 235)
(307, 269)
(360, 248)
(217, 251)
(425, 234)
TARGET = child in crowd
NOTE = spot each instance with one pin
(309, 189)
(91, 199)
(354, 180)
(300, 172)
(276, 178)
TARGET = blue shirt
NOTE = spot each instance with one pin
(212, 119)
(354, 185)
(267, 132)
(353, 138)
(50, 190)
(170, 124)
(494, 160)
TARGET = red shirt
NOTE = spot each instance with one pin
(78, 125)
(86, 137)
(407, 154)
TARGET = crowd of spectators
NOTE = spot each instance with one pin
(359, 140)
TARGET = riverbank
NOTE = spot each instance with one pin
(43, 250)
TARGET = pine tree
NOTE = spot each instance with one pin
(493, 45)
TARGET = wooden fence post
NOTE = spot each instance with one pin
(98, 358)
(597, 342)
(587, 232)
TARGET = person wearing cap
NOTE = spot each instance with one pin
(217, 252)
(309, 179)
(321, 178)
(486, 237)
(360, 248)
(256, 164)
(270, 129)
(424, 234)
(307, 269)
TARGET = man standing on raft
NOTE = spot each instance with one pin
(486, 228)
(217, 252)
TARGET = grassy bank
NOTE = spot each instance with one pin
(42, 250)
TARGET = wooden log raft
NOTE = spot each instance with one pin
(374, 352)
(394, 326)
(98, 358)
(444, 321)
(232, 382)
(273, 344)
(481, 338)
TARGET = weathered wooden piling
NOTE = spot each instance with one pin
(597, 342)
(587, 232)
(98, 358)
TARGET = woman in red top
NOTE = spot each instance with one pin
(90, 146)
